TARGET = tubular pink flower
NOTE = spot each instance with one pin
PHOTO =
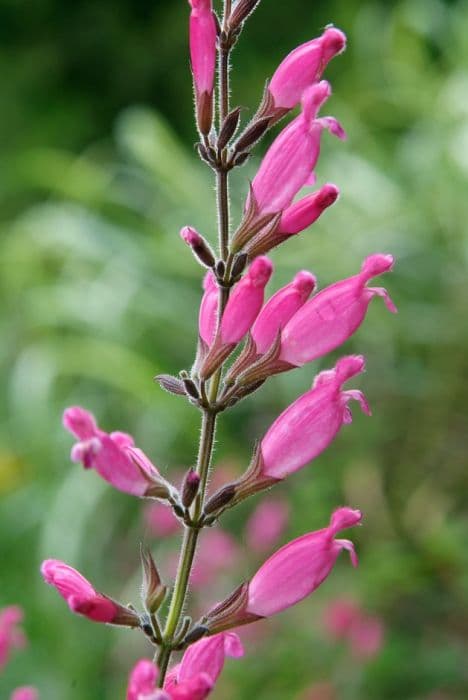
(112, 455)
(280, 308)
(143, 685)
(78, 592)
(334, 314)
(298, 568)
(208, 309)
(245, 301)
(190, 236)
(26, 692)
(202, 45)
(266, 525)
(11, 636)
(303, 67)
(311, 423)
(290, 160)
(208, 656)
(203, 39)
(303, 213)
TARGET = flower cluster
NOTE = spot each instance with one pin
(291, 328)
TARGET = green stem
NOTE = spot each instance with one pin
(189, 546)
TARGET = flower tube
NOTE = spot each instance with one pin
(82, 598)
(113, 456)
(334, 314)
(288, 576)
(202, 33)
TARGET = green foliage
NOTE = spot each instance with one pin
(98, 294)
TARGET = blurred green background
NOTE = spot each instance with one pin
(98, 294)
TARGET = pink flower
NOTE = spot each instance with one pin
(242, 309)
(245, 301)
(11, 636)
(303, 67)
(312, 422)
(303, 213)
(208, 315)
(27, 692)
(193, 678)
(298, 568)
(82, 598)
(202, 34)
(266, 525)
(334, 314)
(345, 619)
(290, 160)
(113, 456)
(280, 308)
(288, 576)
(161, 520)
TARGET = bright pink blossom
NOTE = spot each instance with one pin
(79, 594)
(266, 525)
(304, 66)
(112, 455)
(208, 309)
(245, 301)
(193, 678)
(290, 160)
(203, 59)
(202, 45)
(280, 308)
(27, 692)
(304, 212)
(334, 314)
(298, 568)
(11, 636)
(311, 423)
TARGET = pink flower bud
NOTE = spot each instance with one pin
(11, 636)
(208, 309)
(78, 592)
(266, 525)
(280, 308)
(298, 568)
(290, 160)
(333, 315)
(303, 67)
(245, 301)
(113, 456)
(303, 213)
(199, 246)
(27, 692)
(312, 422)
(203, 59)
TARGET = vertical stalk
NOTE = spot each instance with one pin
(208, 428)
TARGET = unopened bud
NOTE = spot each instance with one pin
(240, 262)
(199, 246)
(195, 634)
(190, 487)
(241, 11)
(170, 384)
(191, 388)
(252, 134)
(152, 591)
(220, 499)
(229, 127)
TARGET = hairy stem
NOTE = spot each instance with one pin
(208, 428)
(189, 545)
